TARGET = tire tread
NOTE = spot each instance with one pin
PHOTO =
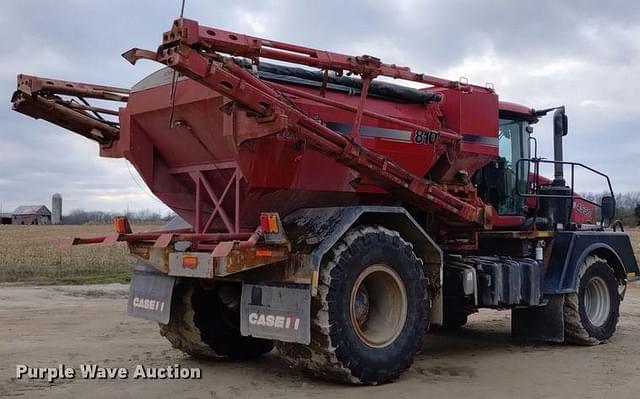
(321, 358)
(574, 327)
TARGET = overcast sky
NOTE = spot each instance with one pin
(585, 54)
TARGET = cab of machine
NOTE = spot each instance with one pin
(500, 180)
(504, 180)
(515, 143)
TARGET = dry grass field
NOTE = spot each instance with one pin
(635, 240)
(31, 253)
(634, 233)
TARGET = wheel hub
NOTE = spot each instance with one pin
(597, 301)
(378, 305)
(362, 305)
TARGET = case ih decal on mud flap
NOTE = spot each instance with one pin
(276, 312)
(150, 296)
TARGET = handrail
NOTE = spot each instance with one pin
(536, 183)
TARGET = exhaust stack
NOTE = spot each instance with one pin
(560, 129)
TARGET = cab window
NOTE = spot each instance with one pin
(513, 145)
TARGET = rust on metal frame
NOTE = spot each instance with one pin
(153, 237)
(243, 259)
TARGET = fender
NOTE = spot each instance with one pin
(570, 249)
(314, 231)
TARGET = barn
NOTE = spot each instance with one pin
(31, 214)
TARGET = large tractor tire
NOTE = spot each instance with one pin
(219, 326)
(203, 327)
(370, 316)
(181, 330)
(591, 313)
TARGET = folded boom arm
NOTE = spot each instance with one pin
(42, 98)
(193, 51)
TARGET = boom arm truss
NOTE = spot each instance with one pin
(65, 104)
(189, 33)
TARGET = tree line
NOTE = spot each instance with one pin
(80, 216)
(627, 206)
(627, 210)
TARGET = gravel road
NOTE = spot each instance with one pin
(75, 325)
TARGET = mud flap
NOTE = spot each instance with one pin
(540, 323)
(150, 296)
(276, 312)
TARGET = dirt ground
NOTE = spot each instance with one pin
(73, 325)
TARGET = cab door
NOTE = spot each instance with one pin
(513, 145)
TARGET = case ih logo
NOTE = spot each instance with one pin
(267, 320)
(581, 208)
(148, 304)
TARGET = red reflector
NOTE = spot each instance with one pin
(189, 262)
(263, 252)
(264, 223)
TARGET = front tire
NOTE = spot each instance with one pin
(371, 312)
(591, 313)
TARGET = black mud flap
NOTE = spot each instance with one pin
(540, 323)
(150, 296)
(276, 312)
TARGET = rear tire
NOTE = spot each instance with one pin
(201, 326)
(371, 313)
(591, 313)
(181, 330)
(220, 327)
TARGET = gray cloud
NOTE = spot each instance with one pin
(584, 54)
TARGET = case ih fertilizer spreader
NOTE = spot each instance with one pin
(336, 215)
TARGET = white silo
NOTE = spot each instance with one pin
(56, 209)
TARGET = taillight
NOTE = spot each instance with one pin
(273, 224)
(269, 223)
(189, 262)
(264, 223)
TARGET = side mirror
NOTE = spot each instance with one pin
(608, 208)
